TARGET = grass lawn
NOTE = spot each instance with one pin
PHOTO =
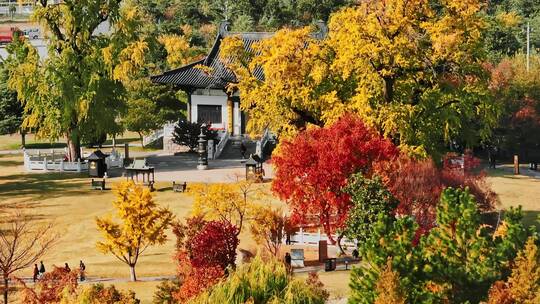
(517, 190)
(336, 282)
(67, 200)
(13, 142)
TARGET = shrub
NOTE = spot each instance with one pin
(165, 291)
(51, 287)
(263, 282)
(187, 134)
(369, 198)
(194, 280)
(525, 279)
(98, 293)
(60, 286)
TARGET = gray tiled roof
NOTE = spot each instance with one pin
(190, 77)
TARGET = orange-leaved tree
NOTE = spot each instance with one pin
(312, 169)
(142, 224)
(268, 228)
(230, 202)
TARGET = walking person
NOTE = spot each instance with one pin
(243, 150)
(288, 262)
(82, 268)
(36, 273)
(41, 269)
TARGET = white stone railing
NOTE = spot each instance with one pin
(153, 137)
(309, 238)
(44, 164)
(262, 143)
(55, 162)
(221, 145)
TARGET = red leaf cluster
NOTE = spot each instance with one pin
(195, 280)
(312, 168)
(205, 250)
(214, 245)
(50, 287)
(417, 184)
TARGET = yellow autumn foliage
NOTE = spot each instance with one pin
(411, 72)
(388, 287)
(231, 202)
(140, 223)
(525, 279)
(176, 47)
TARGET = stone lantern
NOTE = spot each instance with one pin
(202, 163)
(254, 168)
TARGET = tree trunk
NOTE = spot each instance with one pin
(142, 139)
(132, 273)
(6, 286)
(74, 148)
(23, 139)
(388, 93)
(339, 238)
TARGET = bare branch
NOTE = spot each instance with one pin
(22, 242)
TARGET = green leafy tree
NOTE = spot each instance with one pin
(393, 239)
(73, 90)
(456, 262)
(11, 110)
(459, 251)
(141, 117)
(187, 134)
(369, 199)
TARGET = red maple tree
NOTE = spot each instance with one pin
(195, 280)
(214, 245)
(312, 168)
(204, 251)
(417, 184)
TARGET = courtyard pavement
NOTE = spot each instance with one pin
(183, 168)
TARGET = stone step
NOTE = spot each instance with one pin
(232, 149)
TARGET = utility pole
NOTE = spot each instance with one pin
(528, 45)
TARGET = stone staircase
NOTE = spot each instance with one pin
(232, 148)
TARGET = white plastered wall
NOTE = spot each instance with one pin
(210, 100)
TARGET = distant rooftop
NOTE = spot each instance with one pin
(189, 77)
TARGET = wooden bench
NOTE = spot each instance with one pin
(98, 184)
(150, 185)
(179, 187)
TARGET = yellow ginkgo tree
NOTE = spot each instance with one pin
(231, 202)
(141, 223)
(412, 69)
